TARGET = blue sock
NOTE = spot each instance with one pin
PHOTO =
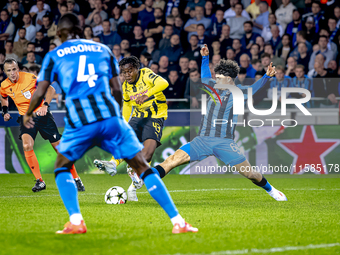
(158, 191)
(264, 184)
(67, 189)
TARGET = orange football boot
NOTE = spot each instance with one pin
(187, 228)
(70, 228)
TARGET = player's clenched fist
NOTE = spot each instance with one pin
(204, 50)
(7, 117)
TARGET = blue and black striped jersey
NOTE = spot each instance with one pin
(83, 69)
(217, 111)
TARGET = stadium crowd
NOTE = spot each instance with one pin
(300, 37)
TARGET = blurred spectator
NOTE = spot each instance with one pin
(175, 88)
(230, 54)
(125, 29)
(150, 48)
(245, 63)
(249, 38)
(98, 10)
(97, 39)
(109, 37)
(284, 48)
(145, 59)
(236, 23)
(159, 4)
(319, 58)
(310, 30)
(35, 8)
(330, 45)
(171, 4)
(260, 42)
(138, 42)
(192, 89)
(337, 15)
(266, 32)
(154, 67)
(323, 84)
(194, 51)
(9, 51)
(72, 7)
(256, 63)
(301, 80)
(284, 14)
(52, 47)
(280, 81)
(291, 64)
(175, 12)
(294, 26)
(20, 47)
(262, 20)
(202, 38)
(155, 28)
(333, 29)
(254, 51)
(31, 48)
(323, 40)
(276, 38)
(265, 61)
(88, 33)
(237, 47)
(124, 47)
(216, 48)
(258, 76)
(46, 24)
(225, 39)
(31, 60)
(56, 13)
(184, 70)
(7, 28)
(215, 59)
(174, 51)
(191, 5)
(254, 9)
(218, 23)
(231, 12)
(208, 10)
(117, 18)
(165, 42)
(163, 67)
(34, 69)
(38, 17)
(191, 25)
(2, 56)
(16, 15)
(242, 78)
(316, 14)
(117, 52)
(193, 64)
(98, 24)
(303, 56)
(30, 29)
(81, 21)
(52, 31)
(146, 16)
(8, 7)
(301, 37)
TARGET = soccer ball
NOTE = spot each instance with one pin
(115, 195)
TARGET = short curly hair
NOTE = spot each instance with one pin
(134, 61)
(227, 68)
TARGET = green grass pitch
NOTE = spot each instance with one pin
(233, 216)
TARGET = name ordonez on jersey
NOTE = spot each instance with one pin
(79, 48)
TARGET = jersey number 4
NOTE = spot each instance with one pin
(82, 77)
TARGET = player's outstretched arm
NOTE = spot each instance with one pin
(36, 100)
(158, 84)
(116, 90)
(205, 70)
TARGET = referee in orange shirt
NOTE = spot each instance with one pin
(20, 86)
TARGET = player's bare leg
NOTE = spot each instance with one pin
(158, 191)
(258, 179)
(150, 146)
(32, 161)
(180, 157)
(69, 194)
(79, 183)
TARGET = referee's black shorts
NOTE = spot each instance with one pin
(45, 125)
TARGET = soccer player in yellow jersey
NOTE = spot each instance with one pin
(143, 97)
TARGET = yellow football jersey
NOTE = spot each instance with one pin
(149, 84)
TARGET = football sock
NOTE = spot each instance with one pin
(178, 219)
(33, 163)
(76, 218)
(117, 161)
(67, 189)
(158, 191)
(160, 171)
(264, 184)
(74, 172)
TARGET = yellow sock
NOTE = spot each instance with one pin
(117, 161)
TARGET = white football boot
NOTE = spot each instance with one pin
(277, 195)
(108, 166)
(137, 183)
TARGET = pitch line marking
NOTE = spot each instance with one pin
(270, 250)
(174, 191)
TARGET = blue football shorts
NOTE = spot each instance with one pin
(113, 135)
(224, 149)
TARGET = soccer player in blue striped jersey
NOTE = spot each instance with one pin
(86, 72)
(218, 139)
